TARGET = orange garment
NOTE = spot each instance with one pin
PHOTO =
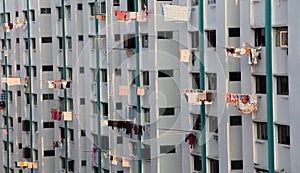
(122, 15)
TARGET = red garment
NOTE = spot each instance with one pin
(122, 15)
(10, 25)
(56, 115)
(135, 128)
(191, 139)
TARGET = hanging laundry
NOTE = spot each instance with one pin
(125, 162)
(12, 80)
(122, 15)
(245, 103)
(185, 55)
(56, 114)
(50, 84)
(8, 27)
(176, 13)
(141, 91)
(191, 96)
(55, 144)
(67, 116)
(123, 90)
(252, 53)
(141, 16)
(114, 161)
(5, 132)
(30, 165)
(190, 139)
(148, 130)
(2, 105)
(94, 151)
(100, 17)
(133, 15)
(5, 52)
(34, 165)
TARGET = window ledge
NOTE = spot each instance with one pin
(285, 146)
(283, 96)
(260, 141)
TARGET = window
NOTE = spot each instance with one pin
(33, 45)
(19, 119)
(130, 5)
(129, 41)
(167, 149)
(146, 112)
(259, 37)
(79, 6)
(33, 71)
(83, 162)
(48, 96)
(197, 163)
(260, 83)
(80, 37)
(118, 72)
(32, 15)
(194, 39)
(117, 37)
(196, 121)
(116, 2)
(26, 153)
(164, 34)
(92, 41)
(68, 11)
(233, 32)
(213, 124)
(119, 106)
(234, 76)
(282, 85)
(235, 120)
(165, 73)
(283, 134)
(212, 81)
(166, 111)
(195, 80)
(34, 99)
(82, 101)
(132, 77)
(194, 2)
(211, 1)
(104, 75)
(261, 171)
(35, 126)
(46, 39)
(105, 142)
(47, 125)
(17, 40)
(47, 68)
(92, 9)
(45, 10)
(145, 40)
(25, 125)
(71, 132)
(70, 104)
(103, 7)
(281, 36)
(69, 73)
(20, 145)
(236, 164)
(59, 39)
(82, 133)
(104, 109)
(119, 140)
(9, 68)
(18, 93)
(214, 166)
(69, 42)
(81, 70)
(58, 11)
(211, 38)
(262, 130)
(62, 133)
(95, 108)
(48, 153)
(71, 165)
(146, 78)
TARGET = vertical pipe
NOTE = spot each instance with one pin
(65, 78)
(6, 93)
(202, 84)
(29, 82)
(98, 89)
(137, 78)
(268, 31)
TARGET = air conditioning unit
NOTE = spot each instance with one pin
(283, 39)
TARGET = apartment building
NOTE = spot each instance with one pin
(235, 142)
